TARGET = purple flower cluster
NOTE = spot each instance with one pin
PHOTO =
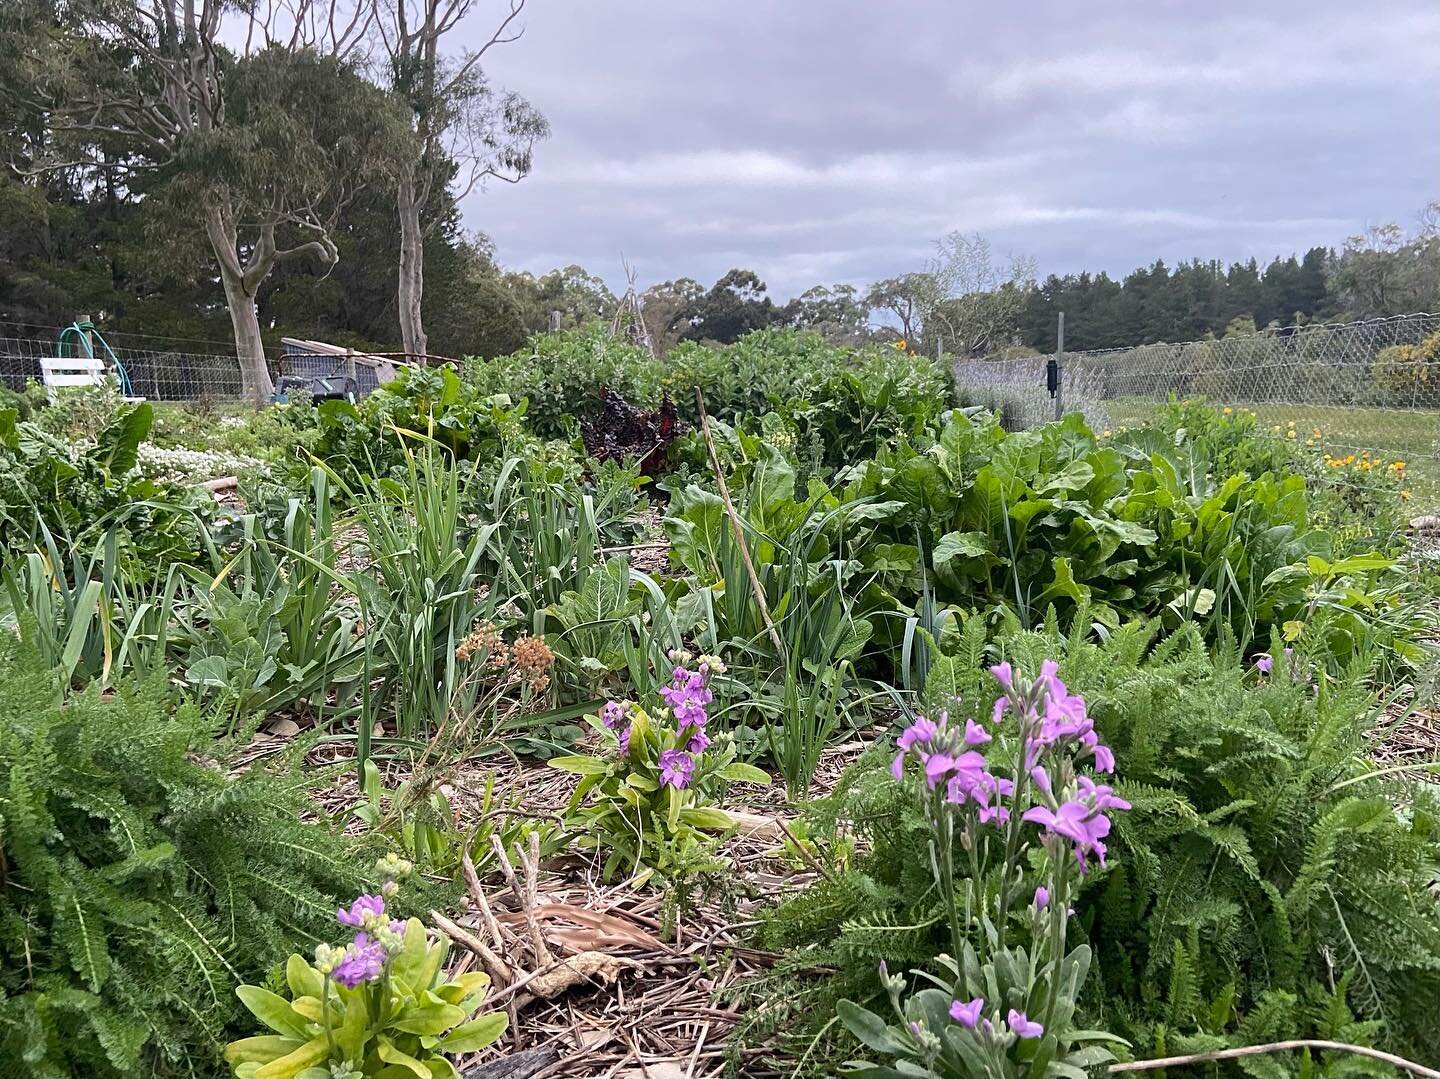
(1052, 721)
(1051, 715)
(688, 695)
(1052, 718)
(676, 768)
(364, 958)
(368, 911)
(614, 713)
(1081, 820)
(364, 961)
(945, 757)
(967, 1014)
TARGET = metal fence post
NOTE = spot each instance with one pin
(1060, 366)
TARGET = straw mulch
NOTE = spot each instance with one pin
(601, 979)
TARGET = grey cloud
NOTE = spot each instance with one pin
(825, 140)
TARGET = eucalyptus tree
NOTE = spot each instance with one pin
(466, 131)
(249, 117)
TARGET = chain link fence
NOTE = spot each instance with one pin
(1366, 393)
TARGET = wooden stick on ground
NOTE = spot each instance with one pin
(737, 528)
(1275, 1047)
(500, 973)
(516, 1065)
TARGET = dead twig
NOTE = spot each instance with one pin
(1275, 1047)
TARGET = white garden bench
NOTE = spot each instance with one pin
(59, 372)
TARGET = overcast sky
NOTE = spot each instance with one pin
(833, 140)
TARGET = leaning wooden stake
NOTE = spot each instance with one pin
(737, 528)
(1275, 1047)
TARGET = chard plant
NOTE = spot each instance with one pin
(648, 796)
(1009, 848)
(379, 1006)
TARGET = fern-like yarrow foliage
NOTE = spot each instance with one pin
(1265, 885)
(139, 887)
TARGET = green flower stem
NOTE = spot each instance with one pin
(1059, 907)
(325, 1016)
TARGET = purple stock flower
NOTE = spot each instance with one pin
(1264, 662)
(625, 742)
(368, 908)
(975, 735)
(1042, 897)
(1005, 675)
(920, 733)
(676, 767)
(1081, 820)
(1022, 1026)
(967, 1014)
(698, 741)
(614, 713)
(1040, 778)
(364, 961)
(687, 696)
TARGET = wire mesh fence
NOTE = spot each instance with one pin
(153, 373)
(158, 373)
(1369, 390)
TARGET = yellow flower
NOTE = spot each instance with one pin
(1397, 465)
(1290, 433)
(1276, 428)
(900, 344)
(1105, 433)
(1405, 496)
(1309, 442)
(1350, 460)
(1227, 410)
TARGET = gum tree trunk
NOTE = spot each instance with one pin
(240, 301)
(412, 267)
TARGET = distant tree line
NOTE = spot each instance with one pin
(302, 178)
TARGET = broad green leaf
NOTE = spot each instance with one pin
(740, 772)
(868, 1027)
(261, 1049)
(291, 1064)
(580, 765)
(428, 1018)
(474, 1035)
(303, 979)
(707, 817)
(273, 1010)
(392, 1055)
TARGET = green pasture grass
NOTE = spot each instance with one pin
(1409, 435)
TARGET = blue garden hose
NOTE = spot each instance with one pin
(85, 333)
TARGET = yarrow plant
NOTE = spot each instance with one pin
(1010, 843)
(647, 797)
(378, 1006)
